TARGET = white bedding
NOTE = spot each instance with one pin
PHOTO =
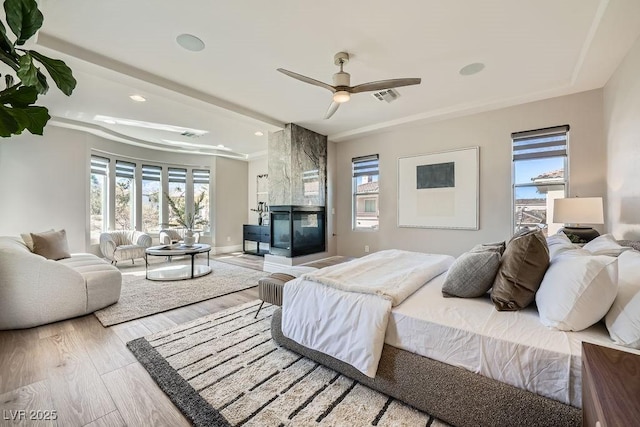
(511, 347)
(351, 325)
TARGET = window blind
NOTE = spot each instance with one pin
(533, 144)
(177, 175)
(201, 176)
(151, 173)
(365, 165)
(99, 165)
(125, 169)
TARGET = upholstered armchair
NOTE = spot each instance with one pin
(170, 236)
(127, 244)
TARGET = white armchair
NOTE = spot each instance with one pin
(127, 244)
(170, 236)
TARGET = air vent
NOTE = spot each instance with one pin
(190, 134)
(388, 95)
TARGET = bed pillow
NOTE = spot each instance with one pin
(623, 318)
(605, 245)
(51, 244)
(497, 246)
(472, 273)
(559, 243)
(524, 263)
(577, 291)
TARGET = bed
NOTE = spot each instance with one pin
(468, 364)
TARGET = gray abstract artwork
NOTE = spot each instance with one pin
(439, 175)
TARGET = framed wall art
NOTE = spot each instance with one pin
(439, 190)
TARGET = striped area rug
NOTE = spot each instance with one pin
(224, 369)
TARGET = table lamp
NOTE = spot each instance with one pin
(574, 212)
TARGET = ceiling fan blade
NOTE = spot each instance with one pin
(383, 84)
(332, 109)
(307, 79)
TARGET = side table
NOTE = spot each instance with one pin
(610, 387)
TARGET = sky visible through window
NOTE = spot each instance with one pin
(526, 170)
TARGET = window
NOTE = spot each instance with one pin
(540, 175)
(201, 194)
(365, 192)
(98, 221)
(177, 191)
(151, 198)
(124, 195)
(129, 196)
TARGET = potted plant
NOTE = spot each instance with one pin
(188, 220)
(17, 111)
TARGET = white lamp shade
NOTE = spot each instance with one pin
(578, 210)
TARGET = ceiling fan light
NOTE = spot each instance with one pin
(341, 96)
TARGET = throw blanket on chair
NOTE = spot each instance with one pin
(343, 310)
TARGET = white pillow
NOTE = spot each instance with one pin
(605, 245)
(577, 290)
(558, 243)
(623, 319)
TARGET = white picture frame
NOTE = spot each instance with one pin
(440, 190)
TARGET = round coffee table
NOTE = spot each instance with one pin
(178, 272)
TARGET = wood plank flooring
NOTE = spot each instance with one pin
(85, 373)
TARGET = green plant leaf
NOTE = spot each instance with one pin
(59, 72)
(32, 118)
(6, 45)
(10, 61)
(42, 85)
(27, 72)
(8, 124)
(22, 96)
(24, 18)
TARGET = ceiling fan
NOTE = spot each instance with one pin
(341, 88)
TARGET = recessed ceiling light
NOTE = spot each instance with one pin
(190, 42)
(258, 133)
(470, 69)
(149, 125)
(138, 98)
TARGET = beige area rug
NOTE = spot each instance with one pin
(253, 262)
(225, 370)
(141, 297)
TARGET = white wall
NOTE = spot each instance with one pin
(492, 132)
(230, 203)
(622, 133)
(45, 180)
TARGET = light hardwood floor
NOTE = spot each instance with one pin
(85, 373)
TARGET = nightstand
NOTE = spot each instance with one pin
(610, 387)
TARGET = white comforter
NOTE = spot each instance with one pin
(343, 310)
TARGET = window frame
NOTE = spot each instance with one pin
(137, 165)
(355, 174)
(99, 165)
(564, 153)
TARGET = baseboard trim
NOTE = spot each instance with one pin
(226, 249)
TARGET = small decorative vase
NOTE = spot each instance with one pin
(189, 238)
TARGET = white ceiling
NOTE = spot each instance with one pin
(532, 50)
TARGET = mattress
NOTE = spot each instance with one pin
(511, 347)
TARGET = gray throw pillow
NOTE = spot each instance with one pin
(51, 244)
(473, 273)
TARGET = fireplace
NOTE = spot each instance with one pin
(297, 230)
